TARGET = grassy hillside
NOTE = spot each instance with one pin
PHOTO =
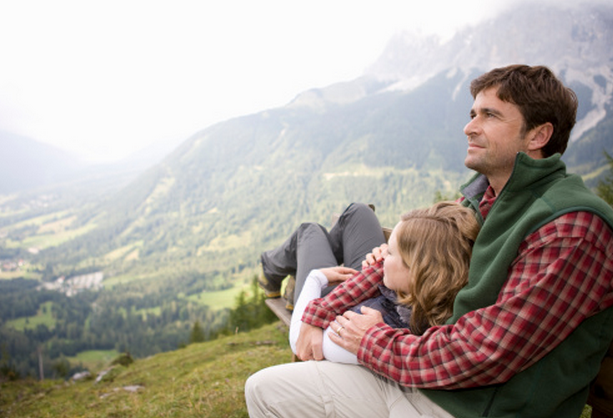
(201, 380)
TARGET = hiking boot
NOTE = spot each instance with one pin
(288, 294)
(271, 290)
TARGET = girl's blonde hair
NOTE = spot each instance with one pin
(436, 245)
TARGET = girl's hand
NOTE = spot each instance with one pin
(378, 254)
(338, 274)
(309, 345)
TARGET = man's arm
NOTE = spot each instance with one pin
(560, 277)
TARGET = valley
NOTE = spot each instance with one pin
(177, 243)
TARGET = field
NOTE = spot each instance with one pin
(93, 359)
(43, 317)
(220, 299)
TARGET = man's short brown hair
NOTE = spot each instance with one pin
(540, 96)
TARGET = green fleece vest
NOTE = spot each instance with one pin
(537, 192)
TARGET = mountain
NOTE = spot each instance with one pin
(26, 163)
(393, 137)
(197, 221)
(574, 41)
(237, 187)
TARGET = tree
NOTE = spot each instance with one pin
(8, 369)
(605, 186)
(61, 367)
(250, 312)
(124, 359)
(197, 334)
(439, 196)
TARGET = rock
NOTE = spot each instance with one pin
(81, 376)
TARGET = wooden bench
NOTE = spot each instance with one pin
(277, 306)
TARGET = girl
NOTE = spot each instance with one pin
(426, 265)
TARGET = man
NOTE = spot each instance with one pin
(529, 330)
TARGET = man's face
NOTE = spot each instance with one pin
(494, 137)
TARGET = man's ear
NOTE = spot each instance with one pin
(540, 136)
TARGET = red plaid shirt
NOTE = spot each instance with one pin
(562, 275)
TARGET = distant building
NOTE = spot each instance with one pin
(76, 284)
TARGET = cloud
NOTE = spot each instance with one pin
(104, 79)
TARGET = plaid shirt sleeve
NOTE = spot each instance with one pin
(561, 276)
(362, 286)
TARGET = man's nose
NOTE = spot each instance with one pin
(471, 127)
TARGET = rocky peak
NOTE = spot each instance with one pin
(574, 41)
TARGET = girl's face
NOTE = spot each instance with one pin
(396, 275)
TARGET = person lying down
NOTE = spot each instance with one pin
(425, 266)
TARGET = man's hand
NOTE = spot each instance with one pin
(349, 328)
(338, 274)
(309, 343)
(377, 254)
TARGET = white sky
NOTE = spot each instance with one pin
(104, 79)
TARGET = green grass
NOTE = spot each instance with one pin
(26, 274)
(38, 220)
(227, 242)
(53, 229)
(121, 279)
(216, 300)
(52, 239)
(157, 311)
(220, 299)
(125, 252)
(587, 412)
(93, 359)
(201, 380)
(31, 322)
(26, 271)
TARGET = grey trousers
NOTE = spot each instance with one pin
(312, 246)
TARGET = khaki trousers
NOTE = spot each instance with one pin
(326, 389)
